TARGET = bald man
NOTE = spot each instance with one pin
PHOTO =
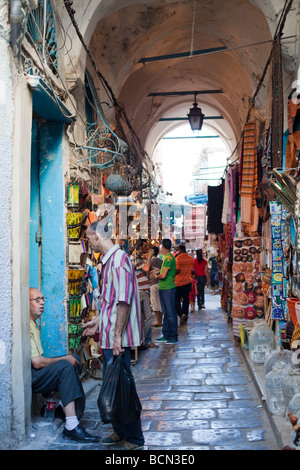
(57, 373)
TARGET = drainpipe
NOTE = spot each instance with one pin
(16, 16)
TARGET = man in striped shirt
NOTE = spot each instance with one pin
(119, 323)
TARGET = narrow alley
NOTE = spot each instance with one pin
(196, 395)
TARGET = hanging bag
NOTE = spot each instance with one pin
(118, 401)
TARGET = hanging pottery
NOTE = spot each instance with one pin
(114, 182)
(127, 189)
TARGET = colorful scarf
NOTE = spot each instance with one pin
(249, 179)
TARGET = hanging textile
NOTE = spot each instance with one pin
(291, 161)
(249, 213)
(279, 282)
(277, 105)
(234, 197)
(226, 213)
(266, 162)
(215, 208)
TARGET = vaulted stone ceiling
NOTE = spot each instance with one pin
(119, 37)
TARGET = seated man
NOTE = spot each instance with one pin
(57, 373)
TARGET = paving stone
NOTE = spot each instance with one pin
(213, 396)
(196, 404)
(241, 394)
(172, 396)
(163, 439)
(202, 413)
(182, 425)
(225, 380)
(151, 405)
(247, 422)
(186, 382)
(161, 414)
(238, 413)
(193, 388)
(215, 437)
(255, 435)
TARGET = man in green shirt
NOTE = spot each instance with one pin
(167, 291)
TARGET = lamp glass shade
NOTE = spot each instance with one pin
(73, 195)
(195, 117)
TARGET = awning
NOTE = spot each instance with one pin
(46, 103)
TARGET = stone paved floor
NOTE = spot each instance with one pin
(196, 395)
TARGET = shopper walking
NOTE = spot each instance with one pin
(201, 274)
(183, 279)
(141, 269)
(214, 273)
(154, 261)
(120, 322)
(167, 291)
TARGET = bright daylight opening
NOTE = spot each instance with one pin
(187, 162)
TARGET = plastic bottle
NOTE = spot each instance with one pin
(50, 407)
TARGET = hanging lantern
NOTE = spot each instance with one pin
(195, 117)
(114, 182)
(73, 195)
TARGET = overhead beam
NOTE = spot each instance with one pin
(184, 93)
(186, 119)
(193, 137)
(203, 51)
(181, 54)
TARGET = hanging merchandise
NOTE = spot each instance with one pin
(294, 406)
(277, 103)
(114, 182)
(291, 384)
(261, 342)
(249, 180)
(293, 140)
(74, 220)
(247, 300)
(73, 195)
(274, 389)
(278, 355)
(215, 207)
(279, 265)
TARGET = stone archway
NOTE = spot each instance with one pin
(119, 38)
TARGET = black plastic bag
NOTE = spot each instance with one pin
(118, 401)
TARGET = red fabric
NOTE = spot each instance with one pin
(199, 268)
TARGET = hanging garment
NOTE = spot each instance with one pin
(266, 161)
(249, 213)
(226, 201)
(277, 104)
(215, 207)
(234, 197)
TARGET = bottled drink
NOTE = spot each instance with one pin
(50, 407)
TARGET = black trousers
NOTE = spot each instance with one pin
(201, 282)
(182, 292)
(64, 378)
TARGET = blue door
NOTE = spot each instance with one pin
(47, 232)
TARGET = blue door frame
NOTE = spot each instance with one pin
(48, 198)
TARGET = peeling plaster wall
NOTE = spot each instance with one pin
(6, 129)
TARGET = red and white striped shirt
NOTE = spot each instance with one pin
(119, 284)
(143, 281)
